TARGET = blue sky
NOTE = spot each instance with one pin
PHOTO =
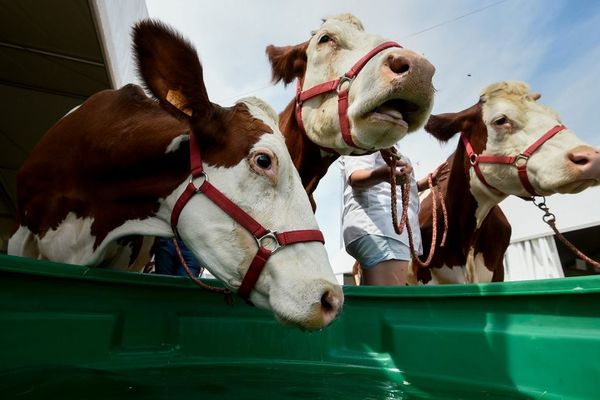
(554, 45)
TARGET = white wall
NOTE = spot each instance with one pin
(532, 253)
(532, 259)
(573, 211)
(114, 20)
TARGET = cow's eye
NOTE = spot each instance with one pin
(501, 120)
(324, 39)
(263, 160)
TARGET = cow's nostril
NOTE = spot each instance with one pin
(398, 64)
(579, 158)
(331, 304)
(585, 161)
(327, 302)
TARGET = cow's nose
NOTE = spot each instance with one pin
(586, 160)
(331, 304)
(398, 64)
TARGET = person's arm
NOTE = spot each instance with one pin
(422, 184)
(437, 175)
(365, 178)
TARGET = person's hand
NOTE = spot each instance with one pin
(440, 173)
(403, 171)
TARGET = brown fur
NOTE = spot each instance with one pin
(289, 63)
(107, 159)
(493, 237)
(306, 155)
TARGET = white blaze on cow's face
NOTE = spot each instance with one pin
(391, 96)
(297, 282)
(514, 121)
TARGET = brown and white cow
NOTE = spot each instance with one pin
(391, 96)
(114, 168)
(505, 122)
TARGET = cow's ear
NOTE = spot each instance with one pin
(444, 126)
(169, 66)
(287, 62)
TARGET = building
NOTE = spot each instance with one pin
(536, 253)
(54, 55)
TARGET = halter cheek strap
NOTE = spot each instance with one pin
(337, 85)
(519, 161)
(268, 241)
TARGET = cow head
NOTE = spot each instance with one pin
(506, 121)
(391, 96)
(245, 157)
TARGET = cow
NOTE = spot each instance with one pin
(119, 166)
(356, 93)
(510, 145)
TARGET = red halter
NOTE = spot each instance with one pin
(268, 241)
(336, 86)
(519, 161)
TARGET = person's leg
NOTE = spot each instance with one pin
(384, 260)
(164, 257)
(390, 272)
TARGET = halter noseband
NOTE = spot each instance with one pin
(336, 86)
(268, 241)
(519, 161)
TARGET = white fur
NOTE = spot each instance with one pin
(293, 280)
(474, 271)
(294, 273)
(374, 85)
(72, 242)
(549, 169)
(176, 142)
(447, 274)
(71, 110)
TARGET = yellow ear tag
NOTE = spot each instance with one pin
(176, 98)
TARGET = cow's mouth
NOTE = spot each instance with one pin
(397, 111)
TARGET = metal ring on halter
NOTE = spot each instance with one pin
(343, 80)
(549, 217)
(269, 241)
(521, 157)
(200, 175)
(541, 204)
(473, 159)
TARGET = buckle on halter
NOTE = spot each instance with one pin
(200, 175)
(521, 160)
(269, 241)
(343, 80)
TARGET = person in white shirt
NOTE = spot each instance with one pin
(368, 231)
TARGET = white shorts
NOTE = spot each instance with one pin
(370, 250)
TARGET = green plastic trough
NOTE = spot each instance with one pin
(74, 332)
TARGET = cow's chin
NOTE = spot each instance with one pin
(303, 306)
(571, 187)
(309, 320)
(376, 131)
(313, 320)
